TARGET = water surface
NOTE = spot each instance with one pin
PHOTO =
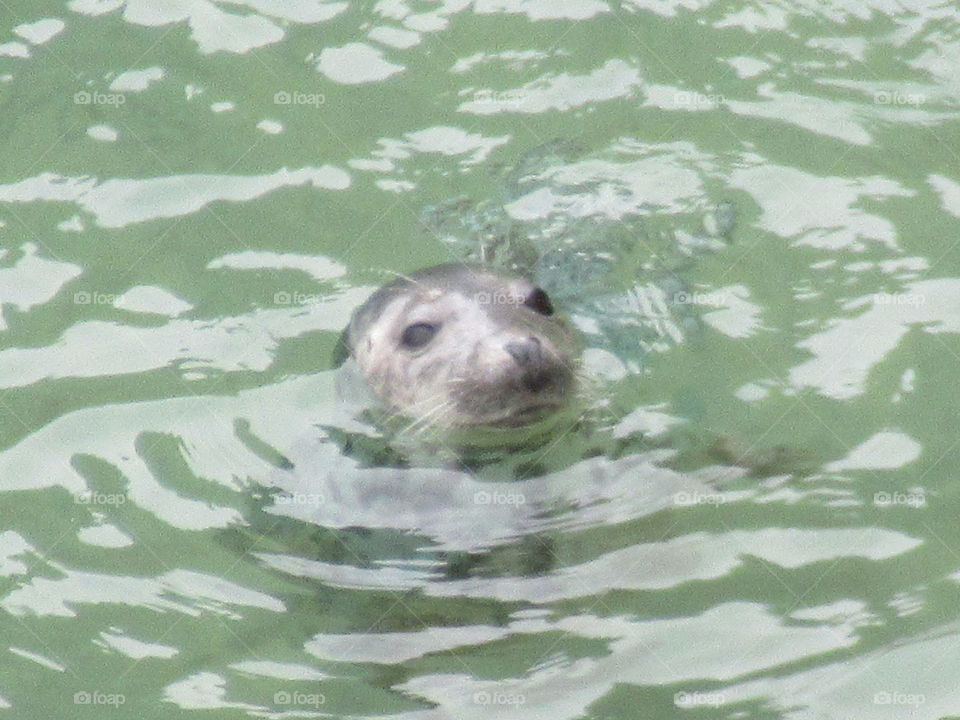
(194, 196)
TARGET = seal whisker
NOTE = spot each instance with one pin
(432, 406)
(399, 275)
(423, 423)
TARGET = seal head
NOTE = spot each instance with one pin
(464, 346)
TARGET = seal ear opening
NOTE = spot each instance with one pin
(341, 351)
(539, 302)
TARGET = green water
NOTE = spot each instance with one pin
(194, 195)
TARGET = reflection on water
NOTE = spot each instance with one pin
(749, 212)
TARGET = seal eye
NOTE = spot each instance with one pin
(539, 302)
(417, 335)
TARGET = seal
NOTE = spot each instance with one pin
(464, 346)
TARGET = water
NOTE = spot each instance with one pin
(195, 195)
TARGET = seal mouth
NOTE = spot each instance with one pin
(530, 414)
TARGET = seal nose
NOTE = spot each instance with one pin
(538, 375)
(539, 380)
(526, 352)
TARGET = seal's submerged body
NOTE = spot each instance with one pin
(464, 346)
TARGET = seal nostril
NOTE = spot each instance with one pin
(526, 352)
(538, 380)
